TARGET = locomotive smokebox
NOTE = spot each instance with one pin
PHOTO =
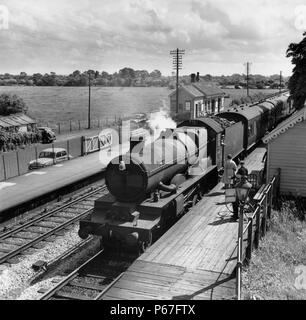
(130, 177)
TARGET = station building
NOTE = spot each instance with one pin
(286, 149)
(198, 99)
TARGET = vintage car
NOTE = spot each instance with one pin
(47, 135)
(48, 157)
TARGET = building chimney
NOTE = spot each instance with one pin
(198, 76)
(193, 76)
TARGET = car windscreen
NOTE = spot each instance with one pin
(46, 154)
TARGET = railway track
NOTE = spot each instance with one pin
(29, 234)
(93, 278)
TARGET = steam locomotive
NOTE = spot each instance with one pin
(154, 184)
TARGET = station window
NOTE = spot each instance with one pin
(187, 105)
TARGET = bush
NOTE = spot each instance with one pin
(10, 104)
(11, 140)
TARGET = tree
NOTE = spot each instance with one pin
(297, 82)
(127, 73)
(208, 77)
(10, 104)
(155, 74)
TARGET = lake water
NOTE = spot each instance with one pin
(54, 104)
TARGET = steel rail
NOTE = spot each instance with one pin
(61, 226)
(50, 293)
(54, 211)
(15, 252)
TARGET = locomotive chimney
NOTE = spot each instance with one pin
(192, 77)
(198, 76)
(134, 142)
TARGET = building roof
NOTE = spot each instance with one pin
(15, 120)
(200, 89)
(297, 117)
(208, 90)
(193, 91)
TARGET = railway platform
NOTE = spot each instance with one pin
(19, 192)
(195, 259)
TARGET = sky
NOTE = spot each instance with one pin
(218, 36)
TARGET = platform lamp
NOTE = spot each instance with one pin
(242, 192)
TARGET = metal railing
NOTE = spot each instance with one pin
(256, 226)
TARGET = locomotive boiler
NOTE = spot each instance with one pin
(131, 177)
(150, 187)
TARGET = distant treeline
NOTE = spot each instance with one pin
(128, 77)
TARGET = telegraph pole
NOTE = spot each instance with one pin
(248, 64)
(280, 81)
(89, 94)
(177, 65)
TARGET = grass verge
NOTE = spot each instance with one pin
(277, 270)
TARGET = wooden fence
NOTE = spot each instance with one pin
(249, 235)
(78, 125)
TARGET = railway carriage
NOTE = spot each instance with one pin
(254, 120)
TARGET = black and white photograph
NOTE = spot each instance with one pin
(154, 151)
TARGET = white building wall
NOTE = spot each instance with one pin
(288, 152)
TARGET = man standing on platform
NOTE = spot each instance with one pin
(242, 174)
(230, 168)
(242, 171)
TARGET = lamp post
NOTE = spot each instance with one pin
(242, 191)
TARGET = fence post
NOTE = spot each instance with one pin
(79, 125)
(82, 145)
(68, 149)
(18, 166)
(70, 125)
(270, 200)
(4, 168)
(53, 153)
(239, 251)
(59, 128)
(250, 240)
(256, 236)
(264, 216)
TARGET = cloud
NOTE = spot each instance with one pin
(107, 34)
